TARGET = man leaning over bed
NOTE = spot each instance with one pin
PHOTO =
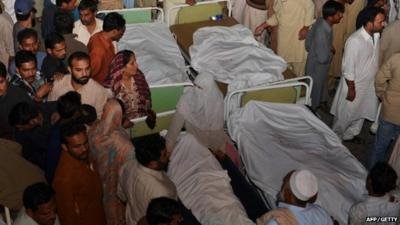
(296, 207)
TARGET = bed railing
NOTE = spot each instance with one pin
(180, 6)
(285, 91)
(164, 100)
(138, 15)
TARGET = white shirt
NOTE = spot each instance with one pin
(83, 34)
(374, 206)
(138, 185)
(9, 8)
(24, 219)
(311, 215)
(92, 93)
(359, 64)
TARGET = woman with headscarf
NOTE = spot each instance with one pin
(110, 148)
(201, 111)
(129, 85)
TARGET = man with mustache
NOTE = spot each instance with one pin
(80, 81)
(27, 77)
(88, 24)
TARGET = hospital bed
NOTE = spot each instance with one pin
(160, 60)
(276, 137)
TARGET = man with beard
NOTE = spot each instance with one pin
(295, 206)
(27, 77)
(355, 99)
(76, 183)
(53, 64)
(88, 24)
(64, 25)
(144, 179)
(79, 80)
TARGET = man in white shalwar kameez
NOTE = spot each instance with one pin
(293, 18)
(355, 99)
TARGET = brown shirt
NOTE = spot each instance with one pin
(387, 87)
(101, 53)
(78, 193)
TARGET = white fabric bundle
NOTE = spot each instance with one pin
(234, 57)
(203, 186)
(203, 104)
(157, 53)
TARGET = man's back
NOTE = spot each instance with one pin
(101, 53)
(16, 174)
(138, 185)
(311, 215)
(386, 205)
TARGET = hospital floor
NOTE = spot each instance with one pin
(360, 150)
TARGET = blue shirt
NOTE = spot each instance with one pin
(311, 215)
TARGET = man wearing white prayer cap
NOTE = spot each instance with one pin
(295, 207)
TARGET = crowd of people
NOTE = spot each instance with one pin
(68, 94)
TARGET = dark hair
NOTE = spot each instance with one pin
(87, 4)
(372, 2)
(71, 129)
(25, 34)
(36, 195)
(63, 23)
(88, 114)
(22, 113)
(149, 149)
(331, 7)
(383, 178)
(52, 39)
(126, 56)
(78, 56)
(113, 21)
(368, 15)
(60, 2)
(68, 104)
(161, 210)
(24, 57)
(3, 71)
(22, 17)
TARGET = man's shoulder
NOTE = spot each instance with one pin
(40, 55)
(98, 88)
(49, 60)
(64, 80)
(24, 219)
(392, 28)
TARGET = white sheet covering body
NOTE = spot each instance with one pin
(157, 52)
(274, 139)
(203, 186)
(233, 56)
